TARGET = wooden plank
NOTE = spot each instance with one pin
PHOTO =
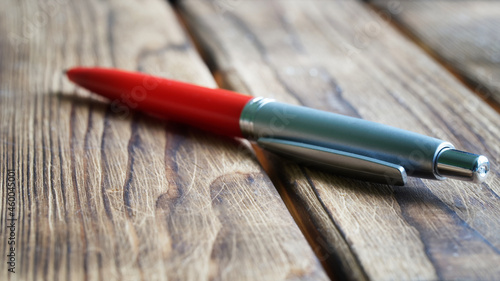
(103, 193)
(342, 57)
(464, 36)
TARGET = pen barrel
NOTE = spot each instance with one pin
(214, 110)
(415, 152)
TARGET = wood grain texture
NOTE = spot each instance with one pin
(340, 56)
(464, 36)
(107, 194)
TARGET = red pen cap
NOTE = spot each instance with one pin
(215, 110)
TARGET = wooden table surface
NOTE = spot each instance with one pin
(466, 40)
(105, 193)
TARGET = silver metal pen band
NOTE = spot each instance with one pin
(248, 115)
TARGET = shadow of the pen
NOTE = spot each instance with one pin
(414, 192)
(79, 101)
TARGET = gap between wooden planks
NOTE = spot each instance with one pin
(340, 56)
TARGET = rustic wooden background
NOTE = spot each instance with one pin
(115, 195)
(463, 37)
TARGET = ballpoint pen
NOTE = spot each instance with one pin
(348, 146)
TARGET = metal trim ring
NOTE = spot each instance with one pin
(248, 115)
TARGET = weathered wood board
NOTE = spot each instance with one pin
(103, 193)
(464, 35)
(341, 56)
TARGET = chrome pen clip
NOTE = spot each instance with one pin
(344, 163)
